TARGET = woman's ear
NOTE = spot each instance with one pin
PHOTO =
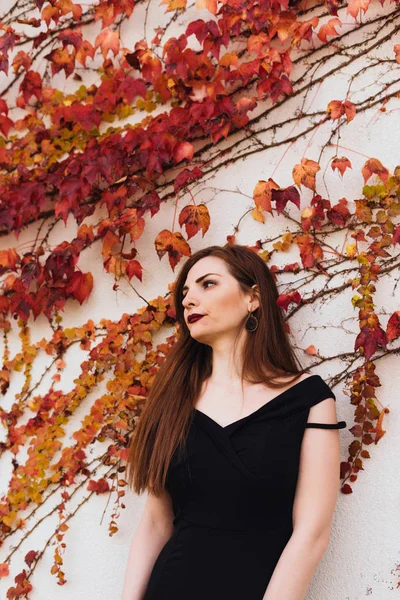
(256, 296)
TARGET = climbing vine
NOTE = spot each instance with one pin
(159, 119)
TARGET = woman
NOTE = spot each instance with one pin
(240, 496)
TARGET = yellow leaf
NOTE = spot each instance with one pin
(351, 250)
(257, 215)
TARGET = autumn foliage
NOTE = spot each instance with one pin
(99, 151)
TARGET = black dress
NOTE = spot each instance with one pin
(232, 496)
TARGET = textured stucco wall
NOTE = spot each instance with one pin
(365, 545)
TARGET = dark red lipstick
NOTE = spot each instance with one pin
(194, 317)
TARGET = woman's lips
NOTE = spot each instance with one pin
(196, 319)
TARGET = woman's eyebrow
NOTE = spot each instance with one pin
(185, 287)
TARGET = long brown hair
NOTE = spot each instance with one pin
(267, 354)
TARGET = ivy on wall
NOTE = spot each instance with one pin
(99, 150)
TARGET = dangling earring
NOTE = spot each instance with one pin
(251, 323)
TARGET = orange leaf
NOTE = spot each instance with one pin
(341, 164)
(373, 166)
(9, 259)
(174, 244)
(396, 49)
(50, 12)
(349, 110)
(284, 245)
(210, 5)
(303, 30)
(194, 218)
(262, 196)
(311, 350)
(107, 40)
(363, 211)
(105, 11)
(109, 240)
(285, 24)
(67, 6)
(174, 4)
(22, 59)
(354, 6)
(256, 43)
(310, 251)
(84, 51)
(328, 29)
(61, 58)
(336, 109)
(304, 173)
(228, 59)
(151, 67)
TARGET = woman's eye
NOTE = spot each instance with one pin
(204, 283)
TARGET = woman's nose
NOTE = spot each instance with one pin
(189, 301)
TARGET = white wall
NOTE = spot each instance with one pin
(364, 550)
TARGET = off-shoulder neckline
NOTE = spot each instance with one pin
(258, 410)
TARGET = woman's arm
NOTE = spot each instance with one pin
(295, 568)
(314, 504)
(154, 530)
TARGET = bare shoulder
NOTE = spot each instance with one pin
(158, 509)
(306, 376)
(289, 377)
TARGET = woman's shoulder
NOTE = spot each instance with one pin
(310, 389)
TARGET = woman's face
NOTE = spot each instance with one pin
(218, 297)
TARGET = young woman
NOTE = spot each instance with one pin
(235, 446)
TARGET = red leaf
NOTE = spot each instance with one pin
(183, 150)
(72, 37)
(186, 176)
(284, 300)
(5, 125)
(346, 489)
(393, 326)
(282, 196)
(30, 557)
(339, 214)
(80, 285)
(99, 486)
(134, 267)
(369, 339)
(30, 86)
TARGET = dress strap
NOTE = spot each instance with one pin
(339, 425)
